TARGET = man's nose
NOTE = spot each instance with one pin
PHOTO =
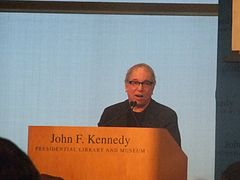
(140, 86)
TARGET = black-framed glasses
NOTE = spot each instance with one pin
(145, 83)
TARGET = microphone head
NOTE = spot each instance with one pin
(132, 104)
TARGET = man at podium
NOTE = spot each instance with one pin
(140, 110)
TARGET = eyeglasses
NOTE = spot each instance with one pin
(144, 83)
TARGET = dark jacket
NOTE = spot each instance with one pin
(156, 116)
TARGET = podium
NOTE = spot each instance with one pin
(106, 153)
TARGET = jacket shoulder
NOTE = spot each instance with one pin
(117, 107)
(162, 108)
(112, 115)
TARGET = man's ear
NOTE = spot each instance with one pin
(153, 89)
(125, 87)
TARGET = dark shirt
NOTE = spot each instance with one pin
(135, 118)
(154, 116)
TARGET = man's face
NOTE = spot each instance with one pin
(140, 86)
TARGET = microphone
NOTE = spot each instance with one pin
(132, 104)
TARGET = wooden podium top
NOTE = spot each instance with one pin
(108, 153)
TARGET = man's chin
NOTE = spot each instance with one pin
(141, 103)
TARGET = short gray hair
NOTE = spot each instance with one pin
(140, 65)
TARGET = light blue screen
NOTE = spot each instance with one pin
(64, 69)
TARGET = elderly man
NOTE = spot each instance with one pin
(140, 110)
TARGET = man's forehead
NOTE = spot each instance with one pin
(140, 71)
